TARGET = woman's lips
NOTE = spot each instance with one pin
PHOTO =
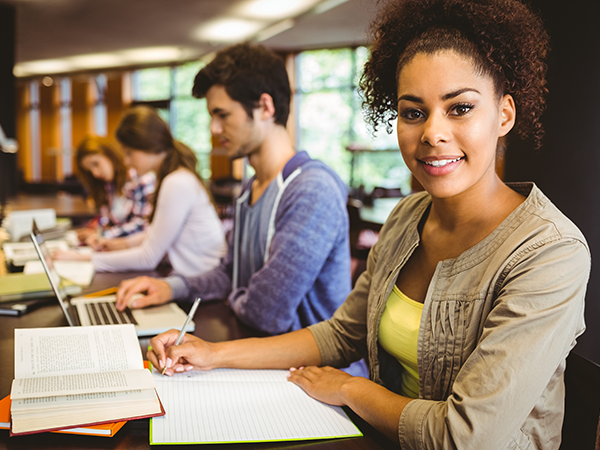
(438, 167)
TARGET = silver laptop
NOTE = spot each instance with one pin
(83, 311)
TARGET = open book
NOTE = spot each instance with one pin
(69, 377)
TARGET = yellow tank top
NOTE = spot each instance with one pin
(399, 334)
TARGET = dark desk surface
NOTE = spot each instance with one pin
(72, 206)
(214, 322)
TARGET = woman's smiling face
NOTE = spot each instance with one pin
(449, 121)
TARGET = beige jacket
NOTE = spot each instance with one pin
(497, 325)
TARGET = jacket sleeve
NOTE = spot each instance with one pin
(310, 221)
(519, 357)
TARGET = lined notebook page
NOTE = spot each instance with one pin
(228, 405)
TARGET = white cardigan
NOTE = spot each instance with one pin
(185, 227)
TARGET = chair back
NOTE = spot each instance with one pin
(582, 404)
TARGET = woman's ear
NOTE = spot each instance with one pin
(508, 115)
(266, 106)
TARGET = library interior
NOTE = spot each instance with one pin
(74, 72)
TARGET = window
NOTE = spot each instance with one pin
(329, 119)
(169, 89)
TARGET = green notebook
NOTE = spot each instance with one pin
(19, 286)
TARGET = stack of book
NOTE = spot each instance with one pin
(73, 378)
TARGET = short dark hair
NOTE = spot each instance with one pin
(247, 71)
(504, 39)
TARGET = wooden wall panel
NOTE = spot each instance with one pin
(49, 133)
(24, 162)
(81, 111)
(115, 103)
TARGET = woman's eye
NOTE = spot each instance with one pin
(412, 114)
(461, 109)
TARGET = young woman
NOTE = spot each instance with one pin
(120, 196)
(184, 226)
(474, 294)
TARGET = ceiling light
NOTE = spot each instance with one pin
(150, 54)
(327, 5)
(95, 60)
(273, 9)
(274, 30)
(228, 30)
(41, 67)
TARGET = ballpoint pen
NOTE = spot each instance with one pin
(190, 316)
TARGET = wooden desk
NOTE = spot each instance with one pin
(66, 205)
(214, 322)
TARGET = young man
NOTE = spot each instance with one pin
(288, 261)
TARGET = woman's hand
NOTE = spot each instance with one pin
(83, 233)
(92, 241)
(107, 245)
(322, 383)
(110, 245)
(70, 255)
(191, 353)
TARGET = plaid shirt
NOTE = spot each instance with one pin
(128, 213)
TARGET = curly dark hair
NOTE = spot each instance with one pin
(504, 38)
(247, 71)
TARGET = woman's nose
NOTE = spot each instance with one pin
(435, 130)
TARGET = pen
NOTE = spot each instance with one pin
(187, 322)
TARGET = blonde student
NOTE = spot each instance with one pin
(474, 294)
(184, 227)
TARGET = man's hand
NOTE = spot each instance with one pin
(156, 292)
(191, 353)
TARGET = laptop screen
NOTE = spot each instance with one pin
(39, 244)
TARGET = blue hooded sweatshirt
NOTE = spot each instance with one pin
(305, 276)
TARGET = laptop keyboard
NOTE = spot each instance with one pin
(106, 313)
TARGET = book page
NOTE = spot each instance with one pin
(41, 352)
(81, 383)
(32, 406)
(228, 405)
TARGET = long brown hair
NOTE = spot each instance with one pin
(141, 128)
(96, 145)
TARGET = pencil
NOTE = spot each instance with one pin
(189, 318)
(103, 292)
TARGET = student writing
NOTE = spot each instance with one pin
(184, 226)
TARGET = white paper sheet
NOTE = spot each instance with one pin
(227, 405)
(78, 272)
